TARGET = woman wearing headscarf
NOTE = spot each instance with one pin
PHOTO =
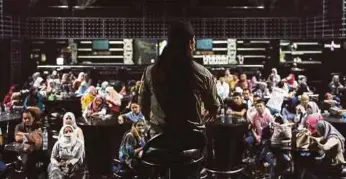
(230, 79)
(67, 155)
(97, 109)
(38, 82)
(89, 97)
(34, 99)
(82, 89)
(102, 89)
(335, 85)
(78, 81)
(70, 119)
(113, 99)
(291, 81)
(274, 77)
(311, 122)
(331, 142)
(132, 145)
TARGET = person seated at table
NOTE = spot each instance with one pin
(277, 98)
(243, 82)
(252, 109)
(331, 101)
(311, 122)
(89, 97)
(70, 119)
(259, 120)
(274, 77)
(78, 81)
(289, 110)
(132, 116)
(15, 100)
(332, 104)
(247, 98)
(84, 86)
(302, 88)
(34, 98)
(230, 79)
(135, 89)
(260, 89)
(67, 155)
(113, 99)
(335, 85)
(97, 109)
(66, 84)
(131, 146)
(7, 98)
(101, 90)
(332, 143)
(235, 106)
(222, 88)
(304, 108)
(21, 135)
(291, 81)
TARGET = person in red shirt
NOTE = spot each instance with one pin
(8, 96)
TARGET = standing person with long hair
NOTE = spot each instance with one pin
(175, 87)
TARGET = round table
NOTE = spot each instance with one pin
(225, 145)
(102, 142)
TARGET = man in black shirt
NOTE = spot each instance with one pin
(236, 107)
(29, 159)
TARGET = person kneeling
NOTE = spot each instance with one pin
(67, 155)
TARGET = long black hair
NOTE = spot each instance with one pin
(173, 72)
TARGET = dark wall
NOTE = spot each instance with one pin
(5, 72)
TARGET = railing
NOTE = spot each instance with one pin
(218, 28)
(1, 19)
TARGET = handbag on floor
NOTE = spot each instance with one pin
(303, 139)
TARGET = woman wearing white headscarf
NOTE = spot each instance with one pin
(67, 155)
(102, 89)
(78, 81)
(38, 82)
(274, 77)
(70, 119)
(113, 99)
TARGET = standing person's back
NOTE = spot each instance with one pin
(175, 87)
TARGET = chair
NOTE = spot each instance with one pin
(169, 151)
(122, 172)
(54, 119)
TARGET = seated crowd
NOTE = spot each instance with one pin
(274, 102)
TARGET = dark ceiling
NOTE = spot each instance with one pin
(159, 8)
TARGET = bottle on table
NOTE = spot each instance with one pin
(1, 138)
(7, 110)
(222, 112)
(45, 139)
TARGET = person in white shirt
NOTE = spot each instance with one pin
(222, 88)
(277, 98)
